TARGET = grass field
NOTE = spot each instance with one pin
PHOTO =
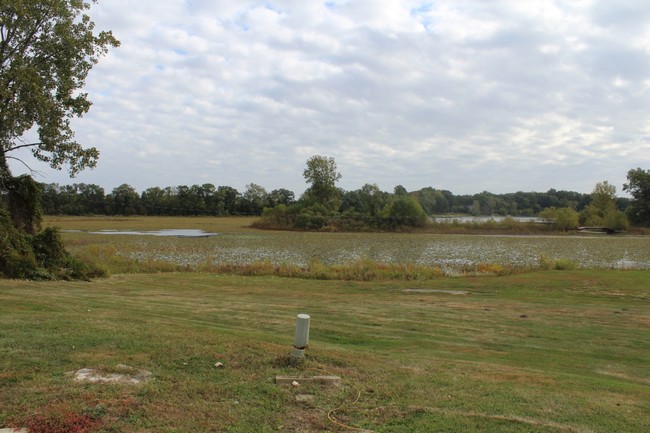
(553, 351)
(535, 352)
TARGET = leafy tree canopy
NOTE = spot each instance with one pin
(602, 210)
(322, 174)
(47, 48)
(638, 185)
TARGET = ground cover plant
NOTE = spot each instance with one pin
(536, 352)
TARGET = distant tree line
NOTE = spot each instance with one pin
(323, 204)
(182, 200)
(206, 199)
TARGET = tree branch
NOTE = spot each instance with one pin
(22, 146)
(23, 163)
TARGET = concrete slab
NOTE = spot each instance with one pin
(449, 292)
(320, 380)
(127, 375)
(305, 398)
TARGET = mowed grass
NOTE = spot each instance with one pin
(536, 352)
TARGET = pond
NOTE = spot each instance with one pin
(179, 233)
(482, 219)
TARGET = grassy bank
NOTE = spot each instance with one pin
(539, 352)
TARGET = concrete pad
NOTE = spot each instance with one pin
(128, 375)
(449, 292)
(305, 398)
(320, 380)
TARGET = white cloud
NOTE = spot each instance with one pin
(461, 95)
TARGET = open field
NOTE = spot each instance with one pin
(239, 244)
(536, 352)
(528, 352)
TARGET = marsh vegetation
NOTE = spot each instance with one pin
(239, 248)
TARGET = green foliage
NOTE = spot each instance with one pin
(616, 220)
(48, 248)
(638, 185)
(124, 200)
(22, 199)
(41, 256)
(206, 199)
(47, 50)
(603, 197)
(550, 264)
(405, 211)
(322, 174)
(254, 199)
(561, 219)
(313, 217)
(16, 256)
(602, 210)
(278, 217)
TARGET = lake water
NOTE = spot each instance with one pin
(483, 219)
(179, 233)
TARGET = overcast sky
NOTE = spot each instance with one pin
(468, 96)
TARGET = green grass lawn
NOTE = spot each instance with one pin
(537, 352)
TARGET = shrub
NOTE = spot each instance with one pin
(561, 219)
(616, 220)
(41, 256)
(405, 210)
(313, 217)
(48, 248)
(549, 264)
(16, 256)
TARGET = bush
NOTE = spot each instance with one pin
(616, 220)
(279, 217)
(48, 248)
(41, 256)
(561, 219)
(313, 217)
(405, 210)
(16, 256)
(549, 264)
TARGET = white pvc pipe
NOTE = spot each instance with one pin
(301, 340)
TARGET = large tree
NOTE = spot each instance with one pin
(638, 185)
(47, 48)
(602, 210)
(322, 174)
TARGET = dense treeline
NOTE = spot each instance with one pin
(207, 199)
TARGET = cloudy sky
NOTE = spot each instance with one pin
(468, 96)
